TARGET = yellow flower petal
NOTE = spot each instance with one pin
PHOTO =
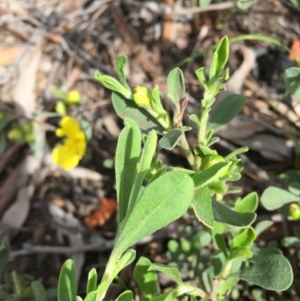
(69, 126)
(65, 157)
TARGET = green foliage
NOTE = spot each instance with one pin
(151, 195)
(274, 198)
(292, 79)
(225, 110)
(67, 282)
(272, 272)
(145, 279)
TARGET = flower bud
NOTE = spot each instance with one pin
(60, 108)
(294, 210)
(73, 97)
(142, 97)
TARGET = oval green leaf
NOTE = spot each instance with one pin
(202, 206)
(171, 139)
(226, 216)
(67, 282)
(292, 80)
(274, 198)
(273, 272)
(176, 88)
(39, 291)
(163, 201)
(225, 110)
(92, 281)
(145, 279)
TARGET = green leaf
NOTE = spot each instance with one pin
(87, 128)
(176, 88)
(292, 79)
(78, 298)
(262, 226)
(209, 175)
(2, 142)
(220, 242)
(126, 259)
(274, 198)
(171, 139)
(125, 296)
(213, 67)
(168, 296)
(243, 5)
(59, 93)
(127, 108)
(225, 110)
(201, 239)
(92, 281)
(127, 156)
(91, 296)
(241, 253)
(294, 188)
(222, 54)
(163, 201)
(248, 204)
(273, 272)
(39, 291)
(240, 150)
(203, 207)
(67, 282)
(226, 216)
(291, 241)
(227, 285)
(145, 279)
(120, 65)
(143, 167)
(244, 238)
(112, 84)
(259, 253)
(4, 254)
(172, 272)
(201, 77)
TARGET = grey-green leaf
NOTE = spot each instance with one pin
(227, 216)
(67, 282)
(146, 280)
(262, 226)
(209, 175)
(292, 79)
(202, 205)
(176, 88)
(127, 156)
(163, 201)
(274, 198)
(127, 108)
(112, 84)
(248, 204)
(125, 296)
(143, 167)
(171, 139)
(92, 281)
(120, 65)
(272, 272)
(172, 272)
(225, 110)
(39, 291)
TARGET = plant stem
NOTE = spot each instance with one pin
(183, 144)
(203, 124)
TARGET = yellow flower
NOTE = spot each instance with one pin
(69, 127)
(68, 155)
(73, 97)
